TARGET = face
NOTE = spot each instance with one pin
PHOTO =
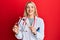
(30, 9)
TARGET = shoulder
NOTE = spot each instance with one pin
(22, 19)
(39, 19)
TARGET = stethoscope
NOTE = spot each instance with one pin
(24, 23)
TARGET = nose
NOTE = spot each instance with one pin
(30, 9)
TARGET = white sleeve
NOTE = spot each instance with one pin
(40, 33)
(19, 35)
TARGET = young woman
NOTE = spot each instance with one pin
(30, 27)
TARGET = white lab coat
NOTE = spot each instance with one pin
(26, 34)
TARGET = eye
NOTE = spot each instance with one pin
(27, 6)
(32, 7)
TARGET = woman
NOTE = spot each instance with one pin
(30, 27)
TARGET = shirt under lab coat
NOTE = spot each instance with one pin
(26, 34)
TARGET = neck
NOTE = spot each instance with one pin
(30, 16)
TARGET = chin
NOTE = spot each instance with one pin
(30, 14)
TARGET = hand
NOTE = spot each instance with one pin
(33, 29)
(15, 29)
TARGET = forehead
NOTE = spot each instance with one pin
(30, 4)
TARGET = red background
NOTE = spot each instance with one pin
(10, 10)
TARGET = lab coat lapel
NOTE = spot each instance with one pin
(27, 21)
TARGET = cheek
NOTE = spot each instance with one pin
(33, 10)
(27, 10)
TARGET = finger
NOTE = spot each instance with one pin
(15, 26)
(13, 30)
